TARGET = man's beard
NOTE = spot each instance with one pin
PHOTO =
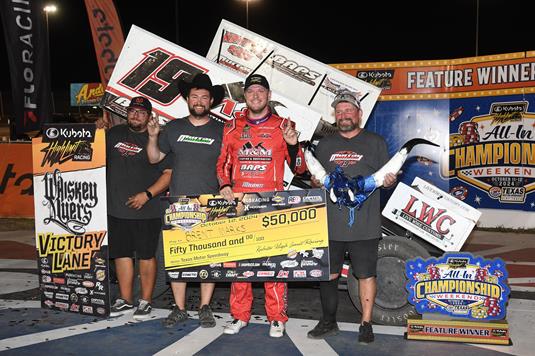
(137, 127)
(197, 115)
(347, 126)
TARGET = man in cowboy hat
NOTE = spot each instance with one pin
(195, 142)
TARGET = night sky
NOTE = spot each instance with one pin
(335, 32)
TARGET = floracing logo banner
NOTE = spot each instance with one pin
(259, 236)
(294, 75)
(151, 66)
(494, 152)
(459, 285)
(69, 180)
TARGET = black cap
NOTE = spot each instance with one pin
(141, 102)
(256, 79)
(202, 81)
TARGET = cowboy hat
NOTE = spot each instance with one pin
(202, 81)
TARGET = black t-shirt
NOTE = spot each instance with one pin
(129, 172)
(195, 150)
(362, 155)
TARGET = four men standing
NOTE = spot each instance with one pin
(249, 155)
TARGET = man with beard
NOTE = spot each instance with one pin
(195, 142)
(134, 223)
(359, 152)
(259, 139)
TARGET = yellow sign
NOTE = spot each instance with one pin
(273, 233)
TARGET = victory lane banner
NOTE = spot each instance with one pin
(69, 179)
(258, 237)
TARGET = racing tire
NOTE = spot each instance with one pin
(391, 303)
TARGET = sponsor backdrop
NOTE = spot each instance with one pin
(69, 167)
(259, 237)
(16, 180)
(481, 111)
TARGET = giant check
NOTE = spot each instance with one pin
(258, 237)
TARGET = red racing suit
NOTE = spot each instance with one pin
(252, 160)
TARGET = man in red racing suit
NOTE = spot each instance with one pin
(256, 144)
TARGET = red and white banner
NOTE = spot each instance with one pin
(292, 74)
(107, 33)
(431, 214)
(151, 66)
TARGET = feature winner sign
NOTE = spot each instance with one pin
(458, 285)
(69, 180)
(258, 237)
(432, 214)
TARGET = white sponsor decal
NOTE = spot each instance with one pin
(62, 296)
(300, 274)
(80, 290)
(265, 273)
(317, 253)
(316, 273)
(189, 274)
(289, 264)
(308, 263)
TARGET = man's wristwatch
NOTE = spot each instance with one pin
(149, 194)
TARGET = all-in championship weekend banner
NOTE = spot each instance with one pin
(258, 237)
(294, 75)
(151, 66)
(69, 166)
(480, 108)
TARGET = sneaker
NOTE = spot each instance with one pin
(120, 307)
(143, 310)
(234, 327)
(323, 329)
(366, 333)
(176, 316)
(206, 317)
(276, 329)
